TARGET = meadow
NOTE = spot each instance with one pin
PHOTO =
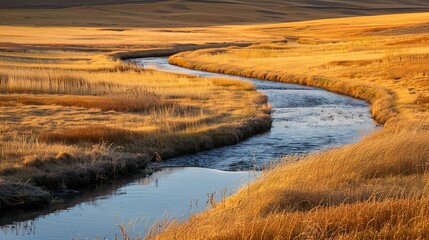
(72, 113)
(374, 189)
(72, 117)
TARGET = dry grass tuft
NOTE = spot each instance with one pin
(21, 194)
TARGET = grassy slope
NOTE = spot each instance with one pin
(376, 188)
(174, 13)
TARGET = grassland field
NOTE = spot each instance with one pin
(70, 107)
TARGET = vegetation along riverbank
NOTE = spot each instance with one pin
(376, 188)
(76, 115)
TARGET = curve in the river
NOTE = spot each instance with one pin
(304, 119)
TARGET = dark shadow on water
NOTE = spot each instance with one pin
(175, 192)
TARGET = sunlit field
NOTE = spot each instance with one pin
(376, 188)
(74, 113)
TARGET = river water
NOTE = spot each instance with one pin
(305, 119)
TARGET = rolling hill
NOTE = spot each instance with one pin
(180, 13)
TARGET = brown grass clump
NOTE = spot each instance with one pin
(373, 189)
(21, 194)
(129, 102)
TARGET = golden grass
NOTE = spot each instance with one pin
(366, 190)
(186, 100)
(373, 189)
(58, 134)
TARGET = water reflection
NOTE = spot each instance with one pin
(175, 192)
(27, 228)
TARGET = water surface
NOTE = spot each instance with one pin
(175, 192)
(305, 119)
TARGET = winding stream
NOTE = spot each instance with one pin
(305, 119)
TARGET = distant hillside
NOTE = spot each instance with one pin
(62, 3)
(344, 4)
(171, 13)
